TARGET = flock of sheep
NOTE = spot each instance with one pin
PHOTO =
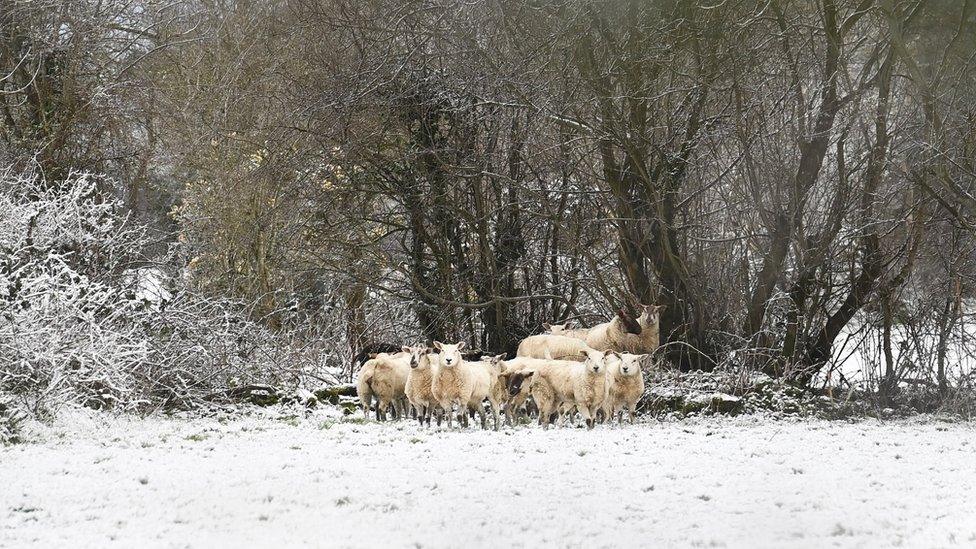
(594, 371)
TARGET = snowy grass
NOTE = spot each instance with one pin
(287, 480)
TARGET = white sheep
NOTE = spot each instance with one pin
(553, 346)
(384, 378)
(363, 388)
(650, 337)
(453, 381)
(566, 330)
(418, 386)
(626, 385)
(486, 385)
(557, 386)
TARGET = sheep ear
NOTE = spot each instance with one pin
(406, 349)
(373, 355)
(460, 346)
(438, 345)
(546, 326)
(502, 356)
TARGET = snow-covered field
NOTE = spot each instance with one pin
(98, 481)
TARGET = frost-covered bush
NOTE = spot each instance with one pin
(79, 322)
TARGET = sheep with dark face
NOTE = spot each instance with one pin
(625, 334)
(517, 384)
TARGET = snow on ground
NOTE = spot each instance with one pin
(318, 481)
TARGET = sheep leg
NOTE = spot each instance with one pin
(480, 410)
(494, 413)
(590, 420)
(449, 408)
(633, 413)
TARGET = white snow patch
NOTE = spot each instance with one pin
(319, 481)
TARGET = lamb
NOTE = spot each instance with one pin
(553, 346)
(626, 386)
(418, 386)
(559, 385)
(384, 378)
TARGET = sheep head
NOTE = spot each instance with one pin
(518, 380)
(419, 356)
(630, 364)
(596, 361)
(630, 324)
(557, 328)
(450, 354)
(650, 315)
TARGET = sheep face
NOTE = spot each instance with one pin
(495, 360)
(630, 364)
(518, 380)
(596, 362)
(557, 328)
(450, 355)
(650, 314)
(419, 357)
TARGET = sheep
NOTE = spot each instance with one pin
(363, 388)
(453, 382)
(623, 334)
(516, 385)
(384, 378)
(485, 385)
(650, 323)
(558, 385)
(553, 346)
(566, 330)
(371, 350)
(418, 386)
(616, 335)
(626, 386)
